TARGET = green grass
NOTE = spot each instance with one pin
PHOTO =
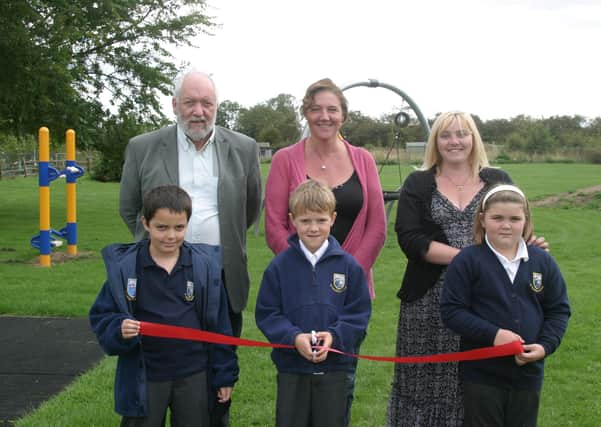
(572, 383)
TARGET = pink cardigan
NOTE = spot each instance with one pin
(368, 233)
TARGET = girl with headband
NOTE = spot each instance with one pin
(434, 221)
(498, 291)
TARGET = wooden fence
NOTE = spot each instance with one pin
(12, 166)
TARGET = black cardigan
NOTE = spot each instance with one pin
(416, 229)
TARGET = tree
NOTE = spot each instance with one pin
(275, 118)
(228, 114)
(539, 139)
(284, 105)
(564, 128)
(495, 131)
(111, 141)
(60, 58)
(361, 130)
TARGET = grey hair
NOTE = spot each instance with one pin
(179, 80)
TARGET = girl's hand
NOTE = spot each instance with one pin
(505, 336)
(532, 353)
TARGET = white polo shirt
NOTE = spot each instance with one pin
(199, 176)
(314, 257)
(511, 266)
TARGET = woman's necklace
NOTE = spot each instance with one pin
(459, 187)
(322, 163)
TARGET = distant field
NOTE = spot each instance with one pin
(572, 384)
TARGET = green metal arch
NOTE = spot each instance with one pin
(376, 83)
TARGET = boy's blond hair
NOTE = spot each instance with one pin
(311, 196)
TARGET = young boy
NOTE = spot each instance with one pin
(314, 296)
(165, 280)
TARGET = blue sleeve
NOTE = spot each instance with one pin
(350, 328)
(455, 301)
(555, 305)
(106, 319)
(269, 315)
(224, 362)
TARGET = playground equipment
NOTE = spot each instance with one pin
(48, 237)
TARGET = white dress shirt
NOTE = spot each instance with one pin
(199, 176)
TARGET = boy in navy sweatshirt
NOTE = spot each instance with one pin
(498, 291)
(314, 296)
(165, 280)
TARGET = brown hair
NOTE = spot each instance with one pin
(311, 196)
(502, 196)
(320, 86)
(169, 197)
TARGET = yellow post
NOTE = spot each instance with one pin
(71, 195)
(44, 185)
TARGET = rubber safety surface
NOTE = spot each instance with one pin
(39, 357)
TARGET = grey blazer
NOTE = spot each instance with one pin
(151, 160)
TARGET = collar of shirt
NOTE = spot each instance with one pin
(511, 266)
(185, 144)
(184, 258)
(313, 258)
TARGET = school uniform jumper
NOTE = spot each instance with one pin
(112, 306)
(296, 297)
(478, 298)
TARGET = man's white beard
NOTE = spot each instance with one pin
(197, 134)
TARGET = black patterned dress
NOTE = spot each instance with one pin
(429, 395)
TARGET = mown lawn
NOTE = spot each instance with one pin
(572, 383)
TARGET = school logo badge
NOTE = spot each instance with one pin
(338, 282)
(189, 295)
(537, 282)
(131, 289)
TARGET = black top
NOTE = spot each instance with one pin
(349, 200)
(164, 298)
(416, 229)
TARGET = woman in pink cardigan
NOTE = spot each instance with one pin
(349, 171)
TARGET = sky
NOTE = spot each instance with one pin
(493, 58)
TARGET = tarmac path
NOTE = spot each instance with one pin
(39, 357)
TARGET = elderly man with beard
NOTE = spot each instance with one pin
(217, 167)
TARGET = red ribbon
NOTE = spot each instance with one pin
(178, 332)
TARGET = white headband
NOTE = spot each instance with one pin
(504, 187)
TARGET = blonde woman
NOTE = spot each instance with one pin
(434, 221)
